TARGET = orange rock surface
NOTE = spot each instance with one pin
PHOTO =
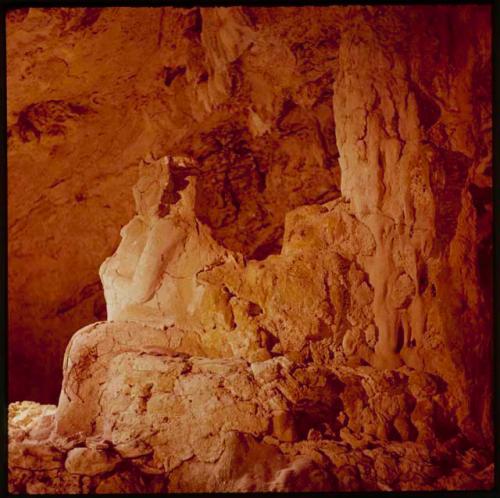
(247, 93)
(302, 300)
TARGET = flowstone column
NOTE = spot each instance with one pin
(413, 115)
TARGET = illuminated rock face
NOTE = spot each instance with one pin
(415, 166)
(169, 270)
(246, 92)
(348, 360)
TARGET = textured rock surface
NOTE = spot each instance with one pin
(357, 357)
(415, 153)
(178, 424)
(93, 91)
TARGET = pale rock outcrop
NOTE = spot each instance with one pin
(153, 273)
(412, 157)
(169, 270)
(178, 423)
(312, 278)
(143, 407)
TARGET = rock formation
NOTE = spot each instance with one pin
(346, 359)
(93, 91)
